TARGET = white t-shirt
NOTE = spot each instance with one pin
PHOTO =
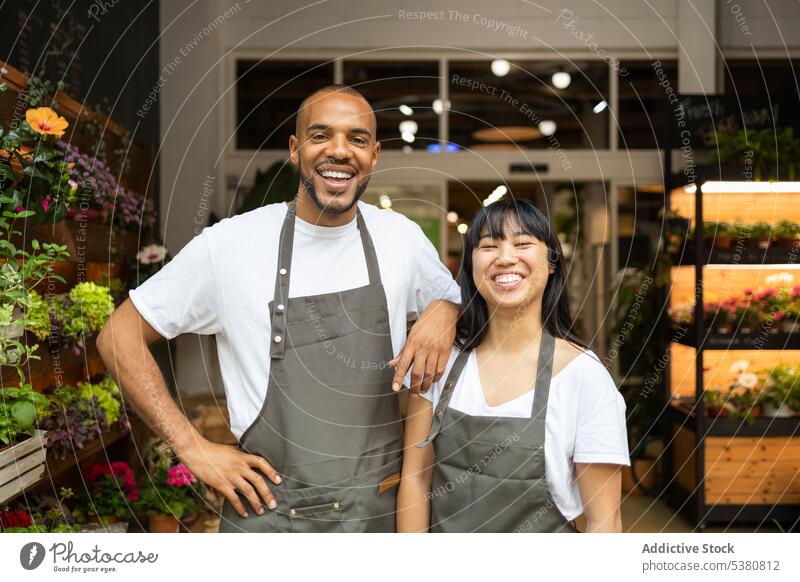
(222, 281)
(585, 420)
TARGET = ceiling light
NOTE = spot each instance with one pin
(409, 126)
(406, 110)
(452, 217)
(385, 201)
(501, 67)
(407, 137)
(561, 79)
(600, 107)
(547, 127)
(462, 228)
(407, 149)
(438, 108)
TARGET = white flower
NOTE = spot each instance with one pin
(151, 254)
(780, 280)
(747, 380)
(739, 366)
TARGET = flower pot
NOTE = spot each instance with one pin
(723, 242)
(714, 412)
(160, 523)
(745, 330)
(789, 325)
(22, 464)
(727, 328)
(770, 410)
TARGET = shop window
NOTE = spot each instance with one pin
(268, 94)
(402, 93)
(524, 108)
(644, 90)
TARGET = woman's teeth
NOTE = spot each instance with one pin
(507, 279)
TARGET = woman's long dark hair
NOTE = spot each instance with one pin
(473, 323)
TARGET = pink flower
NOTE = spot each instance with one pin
(180, 475)
(133, 496)
(748, 291)
(20, 208)
(46, 202)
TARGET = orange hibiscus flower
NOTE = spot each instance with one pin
(46, 121)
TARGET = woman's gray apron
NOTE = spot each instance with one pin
(330, 423)
(489, 472)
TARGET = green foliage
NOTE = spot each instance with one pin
(90, 307)
(278, 183)
(107, 393)
(19, 410)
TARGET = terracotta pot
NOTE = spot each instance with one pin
(769, 410)
(723, 242)
(160, 523)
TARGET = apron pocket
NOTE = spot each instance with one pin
(319, 518)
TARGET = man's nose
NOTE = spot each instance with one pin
(337, 148)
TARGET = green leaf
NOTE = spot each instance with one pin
(24, 413)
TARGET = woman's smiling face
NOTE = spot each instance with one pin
(510, 269)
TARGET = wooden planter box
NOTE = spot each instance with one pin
(21, 465)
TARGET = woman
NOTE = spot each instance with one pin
(527, 430)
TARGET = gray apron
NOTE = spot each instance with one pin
(330, 423)
(489, 472)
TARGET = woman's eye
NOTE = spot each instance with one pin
(523, 244)
(488, 246)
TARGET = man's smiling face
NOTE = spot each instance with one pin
(336, 148)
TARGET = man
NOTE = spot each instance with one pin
(308, 302)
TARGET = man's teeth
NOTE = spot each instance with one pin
(506, 279)
(339, 175)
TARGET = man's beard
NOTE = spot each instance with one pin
(311, 189)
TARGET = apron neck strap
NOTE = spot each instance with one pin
(541, 391)
(281, 296)
(444, 399)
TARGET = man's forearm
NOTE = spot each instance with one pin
(135, 370)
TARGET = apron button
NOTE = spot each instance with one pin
(292, 512)
(439, 413)
(280, 307)
(278, 339)
(336, 505)
(283, 271)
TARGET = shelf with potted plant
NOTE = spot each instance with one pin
(67, 215)
(732, 296)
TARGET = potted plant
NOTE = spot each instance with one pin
(21, 442)
(111, 491)
(716, 402)
(785, 233)
(760, 233)
(171, 494)
(781, 387)
(718, 234)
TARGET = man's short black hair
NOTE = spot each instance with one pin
(335, 88)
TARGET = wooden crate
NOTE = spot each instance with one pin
(22, 465)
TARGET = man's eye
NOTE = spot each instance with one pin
(359, 141)
(318, 136)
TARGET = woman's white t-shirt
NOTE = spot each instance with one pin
(585, 419)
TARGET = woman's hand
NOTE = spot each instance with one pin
(600, 486)
(226, 469)
(427, 347)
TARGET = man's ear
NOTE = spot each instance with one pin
(294, 145)
(376, 154)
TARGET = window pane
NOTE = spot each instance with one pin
(491, 112)
(399, 91)
(268, 94)
(773, 79)
(643, 92)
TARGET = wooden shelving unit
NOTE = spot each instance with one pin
(722, 470)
